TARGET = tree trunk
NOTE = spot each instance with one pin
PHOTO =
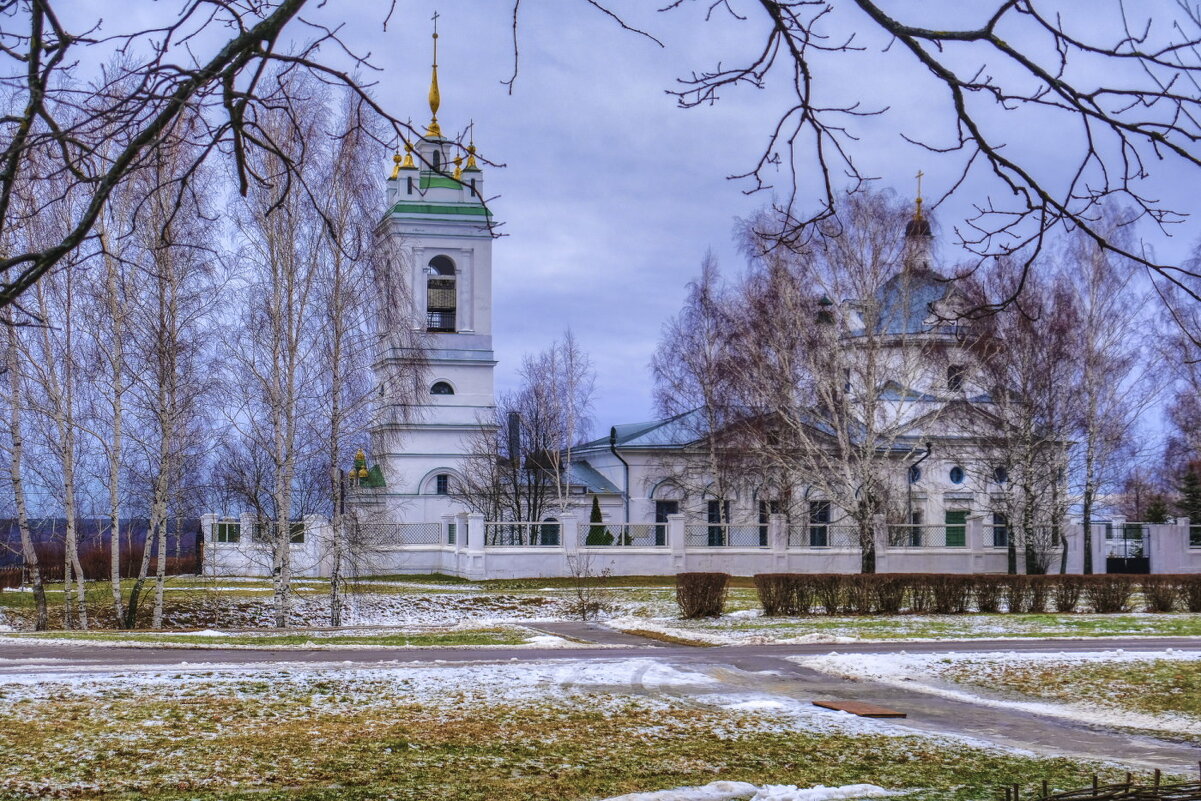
(29, 554)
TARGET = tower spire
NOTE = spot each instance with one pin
(917, 215)
(919, 226)
(434, 130)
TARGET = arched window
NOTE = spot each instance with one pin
(440, 296)
(442, 388)
(956, 475)
(436, 159)
(1000, 474)
(915, 474)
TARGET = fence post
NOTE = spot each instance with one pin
(976, 544)
(477, 567)
(676, 531)
(208, 536)
(777, 540)
(569, 533)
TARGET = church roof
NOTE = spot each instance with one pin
(585, 475)
(907, 301)
(673, 432)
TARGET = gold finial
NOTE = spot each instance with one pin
(471, 165)
(918, 214)
(395, 170)
(434, 130)
(458, 167)
(408, 162)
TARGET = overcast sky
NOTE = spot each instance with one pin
(611, 194)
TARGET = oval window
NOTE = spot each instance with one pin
(956, 475)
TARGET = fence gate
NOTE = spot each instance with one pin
(1128, 549)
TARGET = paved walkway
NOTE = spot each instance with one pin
(739, 669)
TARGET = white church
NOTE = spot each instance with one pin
(651, 523)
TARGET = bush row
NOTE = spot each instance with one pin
(797, 594)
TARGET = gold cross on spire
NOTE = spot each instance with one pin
(918, 215)
(434, 130)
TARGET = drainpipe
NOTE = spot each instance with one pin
(625, 493)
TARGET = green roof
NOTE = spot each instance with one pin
(444, 181)
(469, 209)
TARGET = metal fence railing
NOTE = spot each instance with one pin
(631, 535)
(927, 536)
(523, 534)
(725, 535)
(823, 535)
(392, 535)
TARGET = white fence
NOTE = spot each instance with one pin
(469, 546)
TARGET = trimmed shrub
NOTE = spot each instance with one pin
(889, 593)
(1108, 594)
(860, 593)
(988, 593)
(775, 593)
(1190, 592)
(1016, 591)
(1065, 592)
(1040, 588)
(1160, 593)
(828, 591)
(921, 594)
(952, 593)
(701, 594)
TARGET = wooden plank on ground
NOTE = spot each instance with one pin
(860, 708)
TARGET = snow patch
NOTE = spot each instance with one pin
(737, 791)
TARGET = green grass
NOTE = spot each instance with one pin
(341, 738)
(494, 636)
(971, 626)
(1157, 686)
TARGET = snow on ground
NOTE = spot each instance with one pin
(358, 687)
(742, 791)
(922, 672)
(673, 628)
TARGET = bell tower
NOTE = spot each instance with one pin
(440, 225)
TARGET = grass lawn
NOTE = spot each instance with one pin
(373, 735)
(1154, 686)
(951, 627)
(485, 636)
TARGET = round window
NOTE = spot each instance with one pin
(956, 475)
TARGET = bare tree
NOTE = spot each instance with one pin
(843, 342)
(1029, 356)
(1116, 382)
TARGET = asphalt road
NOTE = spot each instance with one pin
(19, 657)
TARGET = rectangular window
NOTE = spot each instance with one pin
(662, 510)
(819, 524)
(956, 528)
(228, 532)
(442, 484)
(955, 374)
(451, 533)
(915, 527)
(296, 532)
(1000, 530)
(719, 512)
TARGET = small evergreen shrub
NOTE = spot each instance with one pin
(598, 534)
(1109, 594)
(701, 594)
